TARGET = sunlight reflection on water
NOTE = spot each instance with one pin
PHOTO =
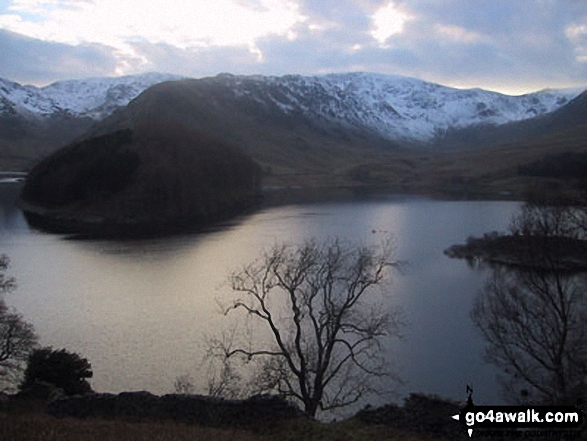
(138, 309)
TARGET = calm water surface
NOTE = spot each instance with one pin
(138, 310)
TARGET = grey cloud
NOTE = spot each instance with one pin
(28, 60)
(522, 47)
(524, 44)
(197, 62)
(348, 14)
(518, 39)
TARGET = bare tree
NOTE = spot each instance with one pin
(535, 320)
(183, 384)
(225, 381)
(223, 378)
(552, 215)
(536, 329)
(580, 214)
(17, 337)
(222, 373)
(325, 337)
(6, 283)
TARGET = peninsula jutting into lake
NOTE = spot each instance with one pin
(156, 180)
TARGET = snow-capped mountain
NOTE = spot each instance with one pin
(394, 107)
(390, 107)
(94, 98)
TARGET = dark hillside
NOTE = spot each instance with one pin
(87, 172)
(295, 150)
(25, 141)
(155, 175)
(567, 118)
(286, 144)
(565, 165)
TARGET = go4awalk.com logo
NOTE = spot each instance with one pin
(522, 420)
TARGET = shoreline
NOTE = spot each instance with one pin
(524, 252)
(93, 226)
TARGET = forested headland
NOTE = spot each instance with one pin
(152, 177)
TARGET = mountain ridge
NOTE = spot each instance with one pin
(400, 108)
(303, 132)
(397, 108)
(95, 98)
(310, 146)
(278, 119)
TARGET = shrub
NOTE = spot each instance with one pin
(63, 369)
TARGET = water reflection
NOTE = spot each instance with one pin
(138, 310)
(11, 217)
(535, 326)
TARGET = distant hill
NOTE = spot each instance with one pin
(93, 98)
(562, 130)
(369, 109)
(546, 152)
(35, 121)
(340, 130)
(557, 146)
(565, 118)
(284, 144)
(401, 110)
(310, 130)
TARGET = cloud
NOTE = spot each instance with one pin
(197, 62)
(511, 46)
(499, 44)
(34, 61)
(184, 24)
(577, 35)
(458, 34)
(389, 20)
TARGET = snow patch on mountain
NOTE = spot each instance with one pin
(94, 98)
(395, 107)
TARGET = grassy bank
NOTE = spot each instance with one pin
(36, 426)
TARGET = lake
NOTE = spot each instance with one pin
(139, 310)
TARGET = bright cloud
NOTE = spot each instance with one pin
(577, 34)
(35, 6)
(500, 44)
(458, 34)
(187, 24)
(388, 20)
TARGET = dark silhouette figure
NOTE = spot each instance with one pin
(469, 396)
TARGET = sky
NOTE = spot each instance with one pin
(510, 46)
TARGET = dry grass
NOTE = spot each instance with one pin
(349, 430)
(34, 426)
(45, 428)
